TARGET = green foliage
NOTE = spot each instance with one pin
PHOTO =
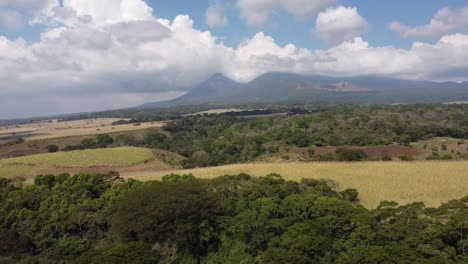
(231, 219)
(219, 140)
(104, 140)
(183, 215)
(343, 154)
(88, 143)
(52, 148)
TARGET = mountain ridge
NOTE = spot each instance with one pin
(282, 87)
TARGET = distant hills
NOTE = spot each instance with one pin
(284, 87)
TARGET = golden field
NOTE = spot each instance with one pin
(55, 129)
(431, 182)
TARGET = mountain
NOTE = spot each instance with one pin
(285, 87)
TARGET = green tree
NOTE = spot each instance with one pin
(52, 148)
(182, 214)
(104, 140)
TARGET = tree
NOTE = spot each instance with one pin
(201, 159)
(156, 140)
(88, 143)
(52, 148)
(182, 214)
(104, 140)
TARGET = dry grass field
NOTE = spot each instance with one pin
(405, 182)
(54, 129)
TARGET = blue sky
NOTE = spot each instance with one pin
(60, 56)
(287, 29)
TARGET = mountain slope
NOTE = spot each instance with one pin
(284, 87)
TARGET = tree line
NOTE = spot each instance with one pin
(101, 218)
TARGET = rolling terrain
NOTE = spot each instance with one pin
(283, 87)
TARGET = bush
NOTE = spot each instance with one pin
(386, 158)
(52, 148)
(311, 152)
(88, 144)
(406, 158)
(350, 155)
(104, 140)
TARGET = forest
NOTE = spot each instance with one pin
(211, 140)
(101, 218)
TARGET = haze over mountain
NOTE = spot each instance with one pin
(285, 87)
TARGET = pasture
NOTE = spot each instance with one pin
(431, 182)
(54, 129)
(96, 160)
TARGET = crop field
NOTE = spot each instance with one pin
(55, 129)
(98, 160)
(431, 182)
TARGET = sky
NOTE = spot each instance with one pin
(67, 56)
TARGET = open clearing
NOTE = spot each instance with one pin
(55, 129)
(85, 161)
(405, 182)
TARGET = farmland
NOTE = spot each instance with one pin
(85, 161)
(432, 182)
(55, 129)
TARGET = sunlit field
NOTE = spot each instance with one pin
(75, 161)
(405, 182)
(54, 129)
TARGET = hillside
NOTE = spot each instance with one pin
(283, 87)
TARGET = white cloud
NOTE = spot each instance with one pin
(445, 21)
(123, 59)
(14, 13)
(339, 24)
(257, 12)
(215, 15)
(95, 13)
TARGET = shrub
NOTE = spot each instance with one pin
(52, 148)
(406, 158)
(88, 144)
(104, 140)
(350, 155)
(311, 152)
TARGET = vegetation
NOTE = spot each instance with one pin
(52, 148)
(431, 182)
(227, 140)
(230, 219)
(114, 158)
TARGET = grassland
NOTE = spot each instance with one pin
(75, 161)
(405, 182)
(54, 129)
(444, 146)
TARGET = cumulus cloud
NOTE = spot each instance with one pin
(215, 16)
(14, 14)
(257, 12)
(339, 24)
(75, 13)
(445, 21)
(122, 59)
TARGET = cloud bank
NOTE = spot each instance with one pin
(92, 58)
(445, 21)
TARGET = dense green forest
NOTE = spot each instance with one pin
(210, 140)
(230, 219)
